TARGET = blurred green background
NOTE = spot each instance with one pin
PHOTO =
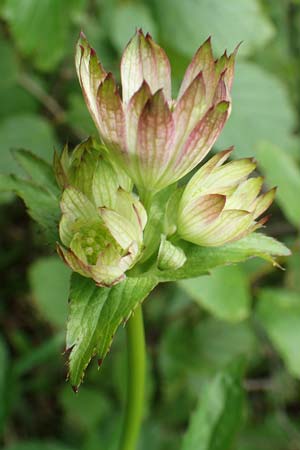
(194, 328)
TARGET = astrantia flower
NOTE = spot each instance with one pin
(220, 204)
(102, 224)
(158, 140)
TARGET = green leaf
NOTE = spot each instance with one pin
(261, 111)
(39, 171)
(95, 314)
(33, 132)
(42, 206)
(49, 24)
(202, 259)
(218, 416)
(185, 25)
(281, 170)
(224, 293)
(49, 280)
(279, 313)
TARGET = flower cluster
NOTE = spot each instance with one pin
(102, 222)
(148, 142)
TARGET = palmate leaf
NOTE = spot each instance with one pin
(39, 191)
(96, 313)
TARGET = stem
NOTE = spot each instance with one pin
(136, 362)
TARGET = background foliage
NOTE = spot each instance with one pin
(198, 330)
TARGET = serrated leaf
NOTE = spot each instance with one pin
(39, 171)
(224, 293)
(42, 206)
(282, 171)
(219, 413)
(95, 314)
(202, 259)
(279, 313)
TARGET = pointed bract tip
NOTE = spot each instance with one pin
(227, 152)
(99, 362)
(234, 53)
(148, 36)
(75, 389)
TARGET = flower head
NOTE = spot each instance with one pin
(102, 223)
(220, 204)
(158, 140)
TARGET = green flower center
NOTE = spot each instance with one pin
(90, 241)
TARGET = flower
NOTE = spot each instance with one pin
(102, 223)
(156, 139)
(220, 204)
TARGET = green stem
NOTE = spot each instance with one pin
(136, 361)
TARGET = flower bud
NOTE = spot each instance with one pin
(170, 257)
(220, 204)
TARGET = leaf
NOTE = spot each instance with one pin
(219, 413)
(185, 25)
(281, 170)
(49, 24)
(202, 259)
(261, 111)
(95, 314)
(38, 170)
(49, 280)
(33, 132)
(279, 313)
(42, 206)
(224, 293)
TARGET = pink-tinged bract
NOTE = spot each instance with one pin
(156, 139)
(220, 204)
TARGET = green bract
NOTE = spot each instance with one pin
(102, 223)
